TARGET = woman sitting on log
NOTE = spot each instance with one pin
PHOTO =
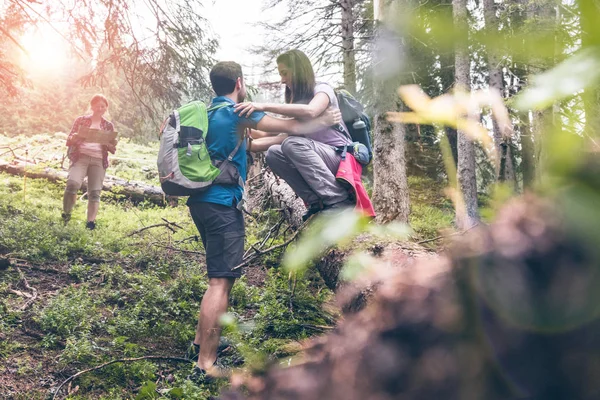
(308, 164)
(88, 159)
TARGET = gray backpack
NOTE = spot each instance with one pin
(184, 164)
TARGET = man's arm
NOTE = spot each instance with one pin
(293, 127)
(264, 143)
(256, 134)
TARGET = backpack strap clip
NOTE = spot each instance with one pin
(343, 150)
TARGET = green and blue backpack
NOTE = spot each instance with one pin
(184, 163)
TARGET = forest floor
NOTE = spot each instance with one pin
(74, 299)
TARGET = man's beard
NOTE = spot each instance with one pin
(240, 97)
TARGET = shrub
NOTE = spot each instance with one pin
(72, 311)
(288, 309)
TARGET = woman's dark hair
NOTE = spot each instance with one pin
(302, 87)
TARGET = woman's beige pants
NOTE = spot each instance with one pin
(85, 166)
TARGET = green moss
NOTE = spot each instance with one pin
(430, 210)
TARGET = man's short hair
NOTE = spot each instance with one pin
(223, 77)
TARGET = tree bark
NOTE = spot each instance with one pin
(284, 198)
(527, 160)
(349, 57)
(390, 184)
(466, 213)
(542, 16)
(505, 169)
(590, 14)
(453, 141)
(132, 190)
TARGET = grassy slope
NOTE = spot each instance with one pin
(104, 294)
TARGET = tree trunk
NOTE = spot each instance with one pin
(132, 190)
(527, 160)
(284, 198)
(447, 80)
(390, 184)
(466, 213)
(347, 34)
(453, 142)
(505, 169)
(590, 17)
(542, 16)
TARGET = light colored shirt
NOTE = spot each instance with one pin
(91, 149)
(330, 135)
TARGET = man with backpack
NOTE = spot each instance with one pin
(216, 210)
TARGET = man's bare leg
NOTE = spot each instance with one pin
(213, 305)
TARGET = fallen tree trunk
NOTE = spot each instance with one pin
(132, 190)
(284, 198)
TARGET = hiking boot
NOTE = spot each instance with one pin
(91, 225)
(312, 210)
(194, 349)
(199, 376)
(66, 217)
(217, 371)
(331, 209)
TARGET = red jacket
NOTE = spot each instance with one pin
(348, 175)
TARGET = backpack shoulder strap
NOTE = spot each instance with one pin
(237, 147)
(217, 106)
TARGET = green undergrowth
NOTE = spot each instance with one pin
(430, 210)
(117, 292)
(121, 294)
(32, 227)
(135, 162)
(132, 161)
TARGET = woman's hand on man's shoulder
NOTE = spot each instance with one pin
(246, 109)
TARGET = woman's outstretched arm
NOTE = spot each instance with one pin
(317, 105)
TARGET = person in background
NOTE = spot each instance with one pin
(88, 159)
(308, 164)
